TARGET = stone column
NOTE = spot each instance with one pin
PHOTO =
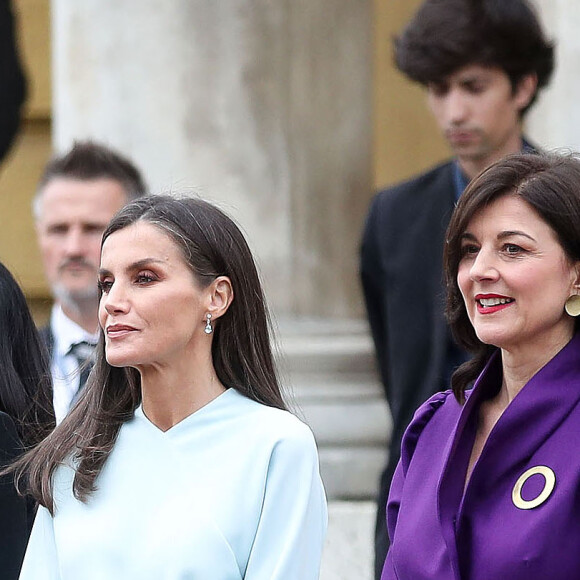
(554, 122)
(264, 106)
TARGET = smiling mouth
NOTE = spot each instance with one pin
(490, 302)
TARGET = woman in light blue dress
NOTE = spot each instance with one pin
(180, 460)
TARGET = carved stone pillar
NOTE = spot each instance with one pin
(554, 122)
(264, 106)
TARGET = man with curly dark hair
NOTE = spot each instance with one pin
(482, 63)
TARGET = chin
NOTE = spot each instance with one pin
(493, 339)
(71, 296)
(114, 362)
(118, 359)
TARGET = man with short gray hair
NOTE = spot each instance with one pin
(78, 194)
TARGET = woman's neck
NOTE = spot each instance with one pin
(169, 396)
(520, 365)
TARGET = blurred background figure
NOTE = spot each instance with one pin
(25, 414)
(78, 194)
(12, 81)
(482, 64)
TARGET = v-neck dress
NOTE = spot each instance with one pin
(439, 531)
(231, 492)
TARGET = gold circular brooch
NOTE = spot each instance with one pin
(549, 484)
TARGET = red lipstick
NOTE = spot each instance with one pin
(491, 303)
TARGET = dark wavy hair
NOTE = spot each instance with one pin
(25, 383)
(212, 246)
(550, 184)
(446, 35)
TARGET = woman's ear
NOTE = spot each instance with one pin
(221, 295)
(572, 305)
(575, 278)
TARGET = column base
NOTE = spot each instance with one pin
(329, 369)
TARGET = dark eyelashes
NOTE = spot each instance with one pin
(468, 249)
(104, 287)
(510, 249)
(143, 279)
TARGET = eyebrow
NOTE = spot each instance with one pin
(510, 233)
(501, 235)
(83, 223)
(135, 265)
(471, 80)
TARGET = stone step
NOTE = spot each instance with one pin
(326, 346)
(348, 552)
(329, 369)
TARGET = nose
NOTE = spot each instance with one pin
(456, 106)
(115, 300)
(75, 244)
(483, 267)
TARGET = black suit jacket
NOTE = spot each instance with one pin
(14, 525)
(47, 339)
(401, 272)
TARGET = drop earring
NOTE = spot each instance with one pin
(208, 328)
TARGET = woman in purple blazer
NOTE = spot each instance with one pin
(488, 486)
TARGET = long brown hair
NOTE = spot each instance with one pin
(212, 246)
(550, 184)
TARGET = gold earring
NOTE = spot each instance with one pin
(572, 305)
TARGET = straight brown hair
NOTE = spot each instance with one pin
(212, 246)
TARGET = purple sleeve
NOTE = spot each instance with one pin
(422, 416)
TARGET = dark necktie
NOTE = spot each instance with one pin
(84, 353)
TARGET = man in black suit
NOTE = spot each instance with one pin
(482, 63)
(78, 194)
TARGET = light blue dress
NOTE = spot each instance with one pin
(231, 492)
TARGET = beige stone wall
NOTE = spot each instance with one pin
(406, 139)
(263, 106)
(554, 121)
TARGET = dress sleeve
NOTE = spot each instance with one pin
(40, 561)
(422, 416)
(292, 526)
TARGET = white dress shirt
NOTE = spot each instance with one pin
(64, 365)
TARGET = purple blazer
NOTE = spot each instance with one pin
(438, 532)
